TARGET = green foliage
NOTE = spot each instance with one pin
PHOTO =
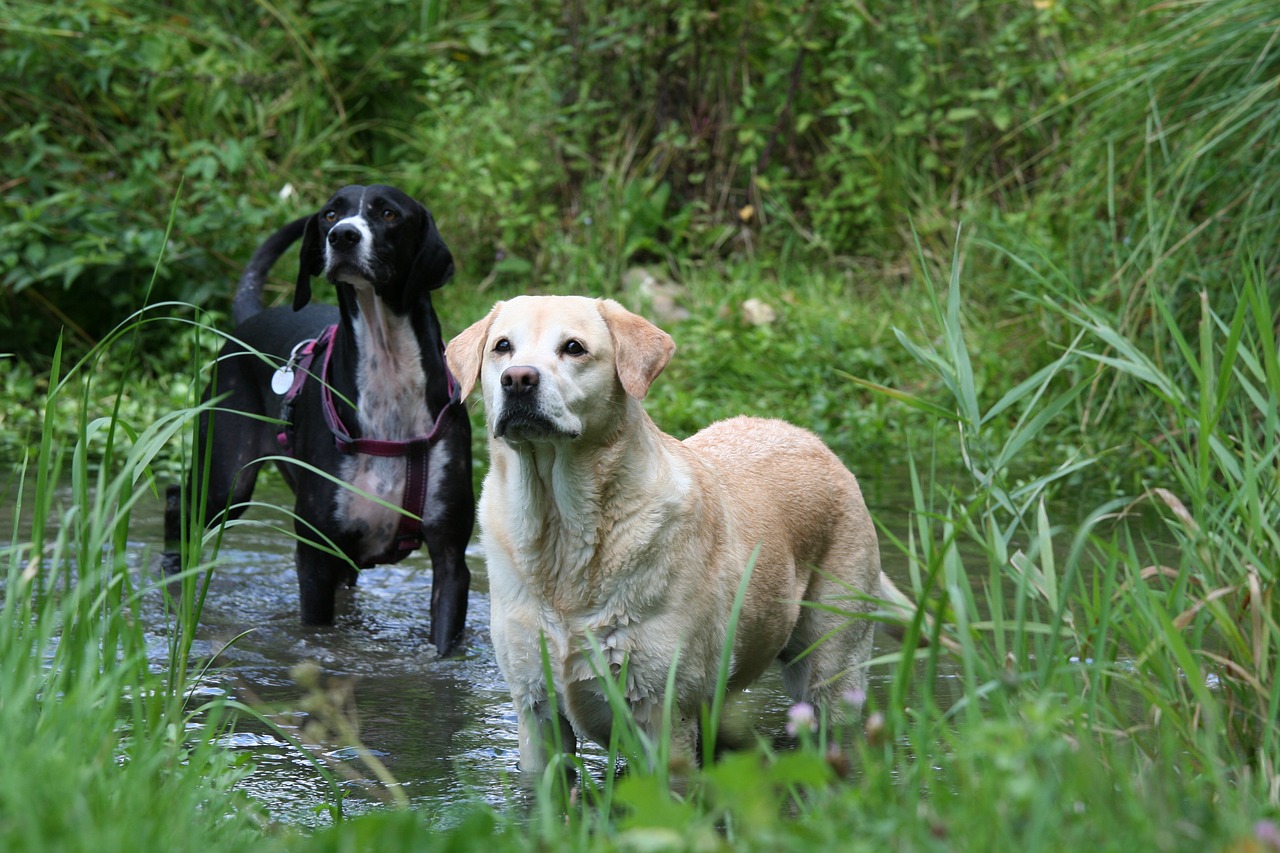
(557, 143)
(79, 697)
(922, 102)
(1216, 439)
(1186, 631)
(1166, 180)
(109, 110)
(1109, 690)
(1201, 83)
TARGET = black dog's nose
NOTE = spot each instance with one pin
(344, 236)
(519, 379)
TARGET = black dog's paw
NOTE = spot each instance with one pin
(170, 563)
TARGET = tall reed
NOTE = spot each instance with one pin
(1156, 647)
(108, 751)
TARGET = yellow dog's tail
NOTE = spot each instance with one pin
(902, 611)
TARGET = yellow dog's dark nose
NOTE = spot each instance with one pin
(520, 379)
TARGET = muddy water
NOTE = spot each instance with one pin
(445, 729)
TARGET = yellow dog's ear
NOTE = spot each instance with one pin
(465, 353)
(641, 349)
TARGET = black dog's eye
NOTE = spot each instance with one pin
(573, 347)
(389, 215)
(503, 345)
(329, 216)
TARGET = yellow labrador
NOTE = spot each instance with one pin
(597, 524)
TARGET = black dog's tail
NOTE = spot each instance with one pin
(248, 298)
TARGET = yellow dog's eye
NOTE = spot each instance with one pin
(573, 347)
(503, 345)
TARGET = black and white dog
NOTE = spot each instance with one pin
(364, 395)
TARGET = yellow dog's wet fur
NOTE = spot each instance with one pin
(596, 523)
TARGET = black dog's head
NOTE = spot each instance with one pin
(374, 236)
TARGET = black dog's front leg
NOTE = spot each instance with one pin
(450, 582)
(447, 530)
(171, 557)
(319, 576)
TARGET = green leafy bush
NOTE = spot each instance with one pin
(111, 111)
(557, 142)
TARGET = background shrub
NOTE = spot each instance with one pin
(1127, 149)
(555, 141)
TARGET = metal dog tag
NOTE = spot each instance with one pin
(282, 379)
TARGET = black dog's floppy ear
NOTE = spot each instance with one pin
(310, 262)
(433, 265)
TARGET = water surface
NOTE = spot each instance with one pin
(444, 728)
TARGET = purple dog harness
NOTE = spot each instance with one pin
(415, 450)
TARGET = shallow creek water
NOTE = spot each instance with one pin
(444, 728)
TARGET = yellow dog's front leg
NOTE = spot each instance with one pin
(538, 730)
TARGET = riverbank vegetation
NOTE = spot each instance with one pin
(1025, 248)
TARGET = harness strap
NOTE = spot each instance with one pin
(416, 450)
(299, 366)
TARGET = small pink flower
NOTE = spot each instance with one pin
(1268, 833)
(876, 728)
(801, 718)
(855, 698)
